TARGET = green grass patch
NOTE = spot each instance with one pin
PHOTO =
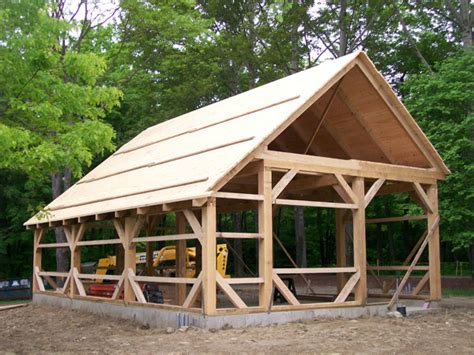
(458, 292)
(8, 302)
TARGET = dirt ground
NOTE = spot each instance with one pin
(38, 328)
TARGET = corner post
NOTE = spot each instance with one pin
(180, 258)
(265, 229)
(433, 246)
(37, 257)
(209, 257)
(360, 259)
(341, 259)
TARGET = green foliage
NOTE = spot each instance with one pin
(443, 106)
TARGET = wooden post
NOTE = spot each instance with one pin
(265, 229)
(36, 257)
(209, 257)
(341, 259)
(131, 228)
(74, 234)
(433, 246)
(360, 260)
(180, 258)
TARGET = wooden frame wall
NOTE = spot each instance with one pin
(348, 179)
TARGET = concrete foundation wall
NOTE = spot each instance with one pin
(159, 318)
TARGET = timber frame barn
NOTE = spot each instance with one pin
(334, 136)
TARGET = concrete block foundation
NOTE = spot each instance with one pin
(160, 318)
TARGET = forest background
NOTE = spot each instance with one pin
(79, 78)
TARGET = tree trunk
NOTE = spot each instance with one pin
(62, 257)
(300, 236)
(342, 29)
(466, 22)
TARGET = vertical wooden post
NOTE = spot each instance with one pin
(341, 259)
(75, 233)
(433, 246)
(180, 258)
(36, 257)
(209, 257)
(360, 260)
(265, 229)
(131, 229)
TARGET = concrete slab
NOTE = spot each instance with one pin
(160, 318)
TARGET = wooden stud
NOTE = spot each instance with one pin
(395, 219)
(194, 223)
(230, 293)
(421, 284)
(423, 198)
(119, 286)
(265, 243)
(78, 283)
(373, 191)
(433, 247)
(286, 202)
(345, 292)
(315, 270)
(181, 257)
(360, 260)
(38, 280)
(209, 257)
(37, 253)
(346, 188)
(137, 291)
(284, 181)
(194, 292)
(284, 290)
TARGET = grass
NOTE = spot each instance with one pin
(458, 292)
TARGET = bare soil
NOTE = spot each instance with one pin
(36, 328)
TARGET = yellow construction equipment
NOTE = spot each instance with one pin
(164, 261)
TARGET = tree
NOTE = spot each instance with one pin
(50, 104)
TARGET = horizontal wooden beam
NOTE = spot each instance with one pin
(395, 219)
(318, 270)
(397, 268)
(160, 279)
(54, 245)
(53, 273)
(83, 243)
(286, 202)
(244, 280)
(238, 235)
(350, 167)
(165, 238)
(238, 196)
(99, 277)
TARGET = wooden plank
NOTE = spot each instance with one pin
(135, 287)
(53, 273)
(230, 293)
(373, 191)
(194, 223)
(181, 258)
(345, 292)
(431, 231)
(66, 283)
(315, 270)
(283, 182)
(77, 281)
(286, 202)
(39, 281)
(434, 245)
(244, 280)
(346, 188)
(118, 286)
(54, 245)
(353, 167)
(421, 284)
(238, 196)
(286, 293)
(359, 238)
(231, 235)
(165, 238)
(194, 292)
(265, 229)
(397, 268)
(98, 242)
(131, 230)
(395, 219)
(12, 306)
(423, 197)
(209, 257)
(98, 277)
(165, 279)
